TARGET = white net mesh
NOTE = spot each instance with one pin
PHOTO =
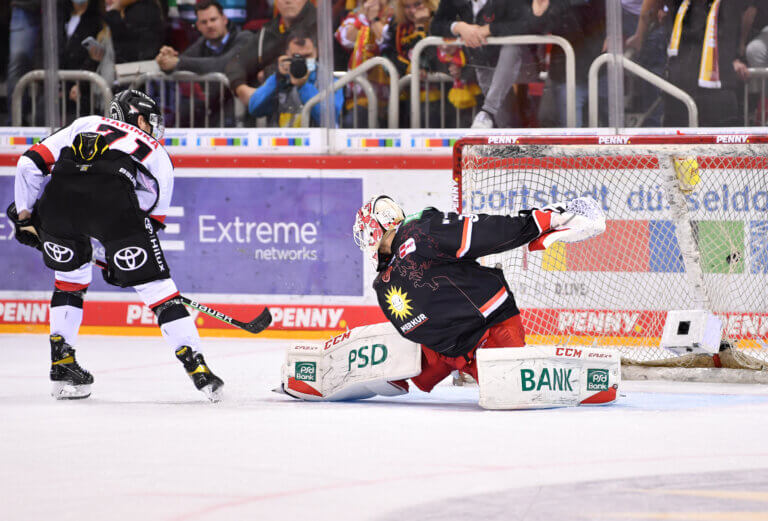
(687, 228)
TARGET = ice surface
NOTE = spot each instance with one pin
(147, 446)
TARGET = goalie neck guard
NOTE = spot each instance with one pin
(130, 104)
(379, 214)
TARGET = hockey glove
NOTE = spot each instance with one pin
(24, 230)
(574, 221)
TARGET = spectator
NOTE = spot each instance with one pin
(137, 29)
(361, 33)
(583, 25)
(234, 10)
(285, 92)
(209, 53)
(81, 26)
(647, 40)
(709, 69)
(24, 42)
(409, 25)
(474, 21)
(757, 49)
(263, 48)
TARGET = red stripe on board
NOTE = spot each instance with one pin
(363, 162)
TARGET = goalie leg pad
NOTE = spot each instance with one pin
(358, 364)
(537, 377)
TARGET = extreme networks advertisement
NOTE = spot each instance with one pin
(279, 239)
(260, 235)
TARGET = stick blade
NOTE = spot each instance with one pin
(260, 323)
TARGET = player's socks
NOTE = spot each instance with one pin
(204, 380)
(70, 381)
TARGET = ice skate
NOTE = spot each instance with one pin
(204, 380)
(70, 381)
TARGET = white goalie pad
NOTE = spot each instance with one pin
(583, 219)
(537, 377)
(357, 364)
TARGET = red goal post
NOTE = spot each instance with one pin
(687, 228)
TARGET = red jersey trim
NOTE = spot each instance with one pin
(495, 301)
(166, 299)
(70, 286)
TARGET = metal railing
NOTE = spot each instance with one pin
(370, 96)
(534, 39)
(644, 74)
(99, 90)
(443, 80)
(179, 98)
(755, 74)
(393, 109)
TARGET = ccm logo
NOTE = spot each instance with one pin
(568, 351)
(335, 340)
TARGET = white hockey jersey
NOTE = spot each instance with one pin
(154, 185)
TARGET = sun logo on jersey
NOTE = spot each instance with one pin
(399, 303)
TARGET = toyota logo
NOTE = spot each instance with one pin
(130, 258)
(57, 252)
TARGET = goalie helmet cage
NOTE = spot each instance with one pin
(687, 228)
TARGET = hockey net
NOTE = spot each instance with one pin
(687, 228)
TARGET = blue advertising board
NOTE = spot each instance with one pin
(257, 235)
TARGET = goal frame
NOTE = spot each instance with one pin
(611, 140)
(725, 143)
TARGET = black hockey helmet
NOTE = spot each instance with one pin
(129, 104)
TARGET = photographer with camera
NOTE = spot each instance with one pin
(285, 92)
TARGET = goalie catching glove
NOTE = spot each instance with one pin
(572, 221)
(24, 230)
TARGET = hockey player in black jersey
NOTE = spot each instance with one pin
(109, 179)
(431, 287)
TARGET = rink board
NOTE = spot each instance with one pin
(248, 230)
(244, 232)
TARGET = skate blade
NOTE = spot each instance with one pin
(213, 395)
(68, 391)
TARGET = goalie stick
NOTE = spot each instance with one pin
(255, 326)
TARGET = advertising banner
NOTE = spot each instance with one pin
(256, 235)
(109, 316)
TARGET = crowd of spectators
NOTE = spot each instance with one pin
(268, 51)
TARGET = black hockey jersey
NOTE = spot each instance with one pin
(432, 288)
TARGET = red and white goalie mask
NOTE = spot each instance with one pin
(377, 216)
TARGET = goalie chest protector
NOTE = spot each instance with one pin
(433, 290)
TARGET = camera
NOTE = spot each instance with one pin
(298, 68)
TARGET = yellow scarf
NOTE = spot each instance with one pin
(709, 71)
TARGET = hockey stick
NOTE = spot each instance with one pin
(255, 326)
